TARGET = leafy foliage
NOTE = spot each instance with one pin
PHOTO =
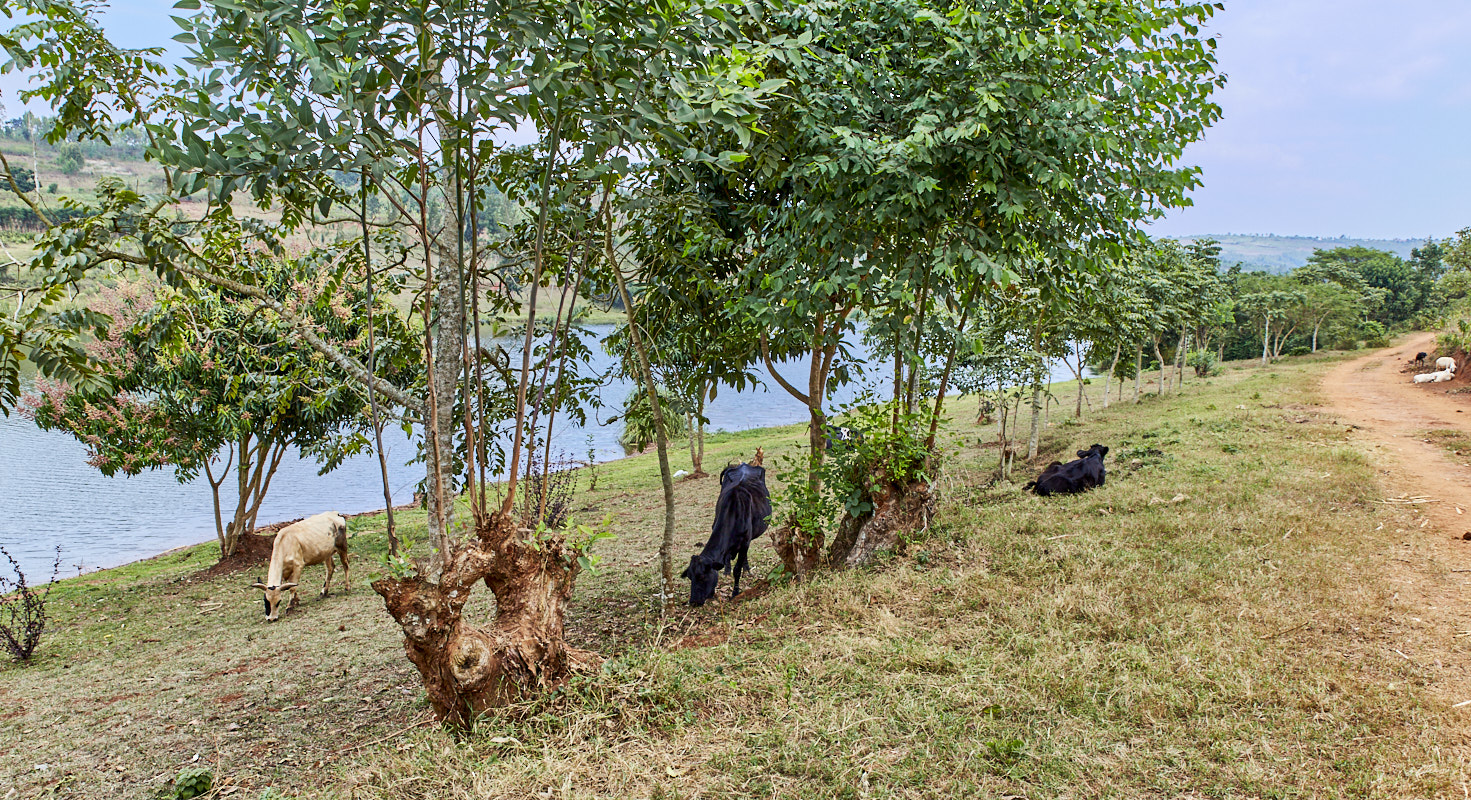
(638, 419)
(878, 454)
(187, 375)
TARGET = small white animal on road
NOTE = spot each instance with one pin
(1435, 377)
(307, 543)
(1445, 363)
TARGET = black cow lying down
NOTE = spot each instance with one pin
(1073, 477)
(741, 514)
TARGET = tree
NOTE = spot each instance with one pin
(1406, 290)
(69, 158)
(1331, 289)
(1456, 253)
(926, 153)
(1273, 302)
(25, 180)
(419, 121)
(193, 379)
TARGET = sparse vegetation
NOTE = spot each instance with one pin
(23, 609)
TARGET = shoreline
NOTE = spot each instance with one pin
(269, 529)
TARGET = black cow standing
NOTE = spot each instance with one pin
(741, 514)
(1075, 476)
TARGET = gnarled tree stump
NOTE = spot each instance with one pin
(468, 670)
(897, 510)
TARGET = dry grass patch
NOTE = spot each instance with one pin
(1239, 641)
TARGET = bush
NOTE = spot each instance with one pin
(1204, 362)
(25, 180)
(191, 782)
(23, 610)
(1374, 333)
(638, 420)
(50, 188)
(879, 471)
(1300, 350)
(69, 158)
(1456, 338)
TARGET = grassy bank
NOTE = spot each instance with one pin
(1217, 621)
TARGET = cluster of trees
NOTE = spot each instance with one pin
(1342, 298)
(1167, 306)
(747, 179)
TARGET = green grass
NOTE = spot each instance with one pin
(1453, 441)
(1236, 642)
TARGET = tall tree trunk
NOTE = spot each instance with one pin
(214, 486)
(1003, 433)
(1138, 368)
(945, 376)
(801, 550)
(1266, 337)
(700, 434)
(469, 671)
(1112, 370)
(1315, 335)
(374, 417)
(1163, 370)
(661, 430)
(1077, 376)
(1180, 361)
(1032, 440)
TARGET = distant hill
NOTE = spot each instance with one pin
(1279, 254)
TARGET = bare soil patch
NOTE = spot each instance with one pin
(253, 550)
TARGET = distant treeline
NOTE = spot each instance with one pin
(21, 218)
(126, 145)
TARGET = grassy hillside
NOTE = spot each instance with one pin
(1279, 254)
(1217, 621)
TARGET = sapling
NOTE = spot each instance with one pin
(23, 609)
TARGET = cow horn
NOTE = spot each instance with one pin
(259, 585)
(283, 587)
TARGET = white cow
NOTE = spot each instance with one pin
(309, 542)
(1445, 363)
(1435, 377)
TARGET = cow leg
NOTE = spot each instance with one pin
(346, 575)
(740, 566)
(295, 599)
(328, 585)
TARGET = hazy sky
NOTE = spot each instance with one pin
(1344, 117)
(1340, 117)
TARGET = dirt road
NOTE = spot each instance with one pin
(1432, 593)
(1395, 414)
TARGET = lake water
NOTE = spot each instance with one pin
(49, 496)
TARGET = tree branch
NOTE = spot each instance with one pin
(770, 367)
(350, 365)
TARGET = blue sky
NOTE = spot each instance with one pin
(1342, 117)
